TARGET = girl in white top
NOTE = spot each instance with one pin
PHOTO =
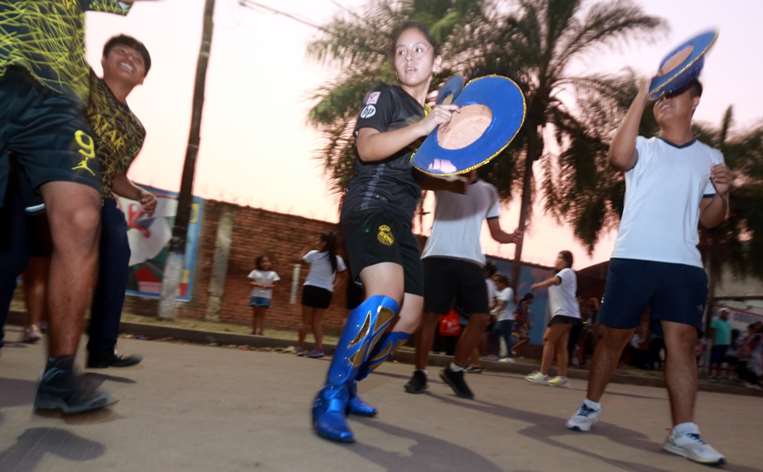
(263, 280)
(565, 312)
(317, 291)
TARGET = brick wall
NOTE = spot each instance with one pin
(282, 237)
(255, 232)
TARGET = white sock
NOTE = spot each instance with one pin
(456, 368)
(686, 428)
(423, 371)
(592, 404)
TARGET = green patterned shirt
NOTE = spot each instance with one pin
(117, 132)
(46, 37)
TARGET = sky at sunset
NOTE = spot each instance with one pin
(257, 148)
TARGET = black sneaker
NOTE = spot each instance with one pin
(418, 382)
(456, 382)
(60, 390)
(112, 359)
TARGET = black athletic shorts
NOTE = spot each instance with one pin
(316, 297)
(450, 282)
(563, 320)
(674, 292)
(45, 133)
(377, 235)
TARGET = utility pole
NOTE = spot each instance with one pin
(173, 268)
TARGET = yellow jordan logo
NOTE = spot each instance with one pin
(86, 150)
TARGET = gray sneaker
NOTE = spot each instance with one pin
(61, 390)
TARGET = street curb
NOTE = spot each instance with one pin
(403, 355)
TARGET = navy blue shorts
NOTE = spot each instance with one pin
(673, 292)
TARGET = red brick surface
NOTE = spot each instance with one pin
(255, 232)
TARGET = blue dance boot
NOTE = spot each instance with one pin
(365, 326)
(382, 352)
(356, 406)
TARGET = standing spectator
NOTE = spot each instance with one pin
(263, 280)
(317, 291)
(720, 329)
(732, 355)
(565, 313)
(504, 309)
(575, 337)
(522, 322)
(750, 367)
(475, 366)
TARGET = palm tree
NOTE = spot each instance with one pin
(536, 43)
(736, 244)
(358, 44)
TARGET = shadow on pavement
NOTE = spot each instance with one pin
(546, 428)
(429, 452)
(16, 392)
(36, 443)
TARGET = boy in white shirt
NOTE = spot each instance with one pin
(453, 276)
(504, 312)
(673, 184)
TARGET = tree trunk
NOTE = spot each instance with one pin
(532, 154)
(174, 266)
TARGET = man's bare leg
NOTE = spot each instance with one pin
(680, 370)
(470, 339)
(606, 357)
(425, 339)
(74, 214)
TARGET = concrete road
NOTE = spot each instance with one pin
(201, 408)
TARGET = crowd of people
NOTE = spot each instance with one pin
(69, 137)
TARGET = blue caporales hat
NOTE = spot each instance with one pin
(682, 65)
(492, 111)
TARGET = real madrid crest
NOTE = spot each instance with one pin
(385, 236)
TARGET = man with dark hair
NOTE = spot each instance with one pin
(720, 333)
(453, 275)
(119, 137)
(43, 86)
(673, 184)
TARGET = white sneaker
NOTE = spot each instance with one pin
(692, 447)
(507, 360)
(559, 382)
(583, 419)
(538, 378)
(32, 334)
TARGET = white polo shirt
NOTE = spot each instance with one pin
(321, 274)
(561, 298)
(662, 196)
(458, 221)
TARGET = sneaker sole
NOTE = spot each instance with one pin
(454, 388)
(538, 382)
(578, 428)
(56, 404)
(680, 452)
(414, 390)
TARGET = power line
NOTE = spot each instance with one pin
(252, 3)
